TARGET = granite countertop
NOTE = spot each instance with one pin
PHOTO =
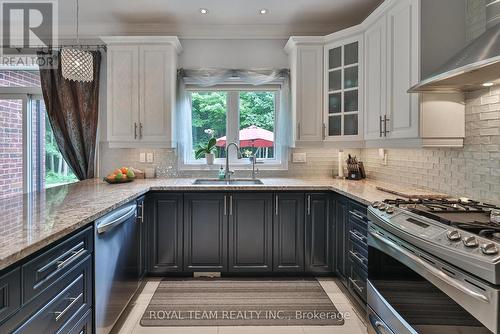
(31, 222)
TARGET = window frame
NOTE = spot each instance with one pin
(278, 162)
(28, 95)
(27, 117)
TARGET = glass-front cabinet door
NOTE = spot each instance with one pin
(343, 105)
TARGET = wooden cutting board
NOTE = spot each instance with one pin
(413, 193)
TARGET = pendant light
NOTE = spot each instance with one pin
(77, 64)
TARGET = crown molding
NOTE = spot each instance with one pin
(296, 41)
(120, 40)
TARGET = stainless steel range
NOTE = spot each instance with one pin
(434, 267)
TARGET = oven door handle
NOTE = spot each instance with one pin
(434, 271)
(378, 326)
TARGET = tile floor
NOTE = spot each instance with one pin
(354, 323)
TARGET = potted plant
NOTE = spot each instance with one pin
(207, 150)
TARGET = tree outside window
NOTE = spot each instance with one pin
(255, 114)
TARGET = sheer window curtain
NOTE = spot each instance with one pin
(211, 77)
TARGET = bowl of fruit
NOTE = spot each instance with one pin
(121, 175)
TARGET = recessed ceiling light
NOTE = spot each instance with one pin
(488, 84)
(263, 11)
(203, 11)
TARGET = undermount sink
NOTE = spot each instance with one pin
(234, 182)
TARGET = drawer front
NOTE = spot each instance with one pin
(357, 236)
(359, 209)
(357, 282)
(84, 325)
(10, 293)
(358, 256)
(68, 304)
(359, 225)
(45, 269)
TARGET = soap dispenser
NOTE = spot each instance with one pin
(222, 173)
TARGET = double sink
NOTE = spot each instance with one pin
(232, 182)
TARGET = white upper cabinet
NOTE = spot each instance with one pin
(400, 41)
(157, 77)
(122, 93)
(306, 74)
(141, 81)
(367, 72)
(375, 79)
(402, 120)
(343, 108)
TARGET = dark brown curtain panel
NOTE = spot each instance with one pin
(72, 109)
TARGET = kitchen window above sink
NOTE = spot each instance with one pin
(246, 115)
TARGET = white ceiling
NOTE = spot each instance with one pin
(230, 18)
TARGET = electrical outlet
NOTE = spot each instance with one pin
(299, 157)
(142, 157)
(149, 158)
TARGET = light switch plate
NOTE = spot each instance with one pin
(149, 158)
(299, 157)
(142, 157)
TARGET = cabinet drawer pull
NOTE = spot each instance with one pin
(74, 255)
(276, 205)
(356, 235)
(385, 125)
(356, 286)
(140, 130)
(308, 205)
(357, 215)
(73, 302)
(359, 258)
(380, 127)
(141, 217)
(231, 205)
(135, 130)
(225, 205)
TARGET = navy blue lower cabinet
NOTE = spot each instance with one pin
(71, 298)
(84, 325)
(63, 294)
(247, 232)
(318, 250)
(357, 251)
(44, 269)
(288, 232)
(205, 232)
(250, 232)
(165, 230)
(341, 226)
(10, 293)
(142, 221)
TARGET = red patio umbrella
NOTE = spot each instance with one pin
(252, 136)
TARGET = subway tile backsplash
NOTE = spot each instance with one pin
(321, 163)
(472, 171)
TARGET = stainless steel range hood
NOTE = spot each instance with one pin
(476, 64)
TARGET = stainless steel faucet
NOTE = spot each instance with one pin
(255, 171)
(229, 172)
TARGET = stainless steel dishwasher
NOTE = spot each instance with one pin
(117, 272)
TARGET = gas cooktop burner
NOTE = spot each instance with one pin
(468, 215)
